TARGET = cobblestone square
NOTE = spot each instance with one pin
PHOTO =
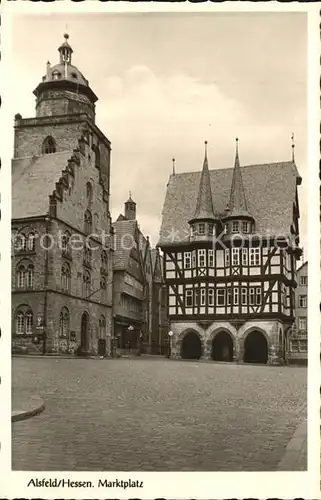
(156, 415)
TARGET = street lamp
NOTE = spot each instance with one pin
(170, 334)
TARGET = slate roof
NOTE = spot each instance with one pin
(124, 237)
(270, 191)
(33, 180)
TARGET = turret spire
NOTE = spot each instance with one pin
(204, 204)
(237, 196)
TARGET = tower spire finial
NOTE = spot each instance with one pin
(205, 142)
(130, 194)
(293, 147)
(173, 160)
(237, 159)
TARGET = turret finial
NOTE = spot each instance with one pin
(205, 142)
(173, 160)
(293, 147)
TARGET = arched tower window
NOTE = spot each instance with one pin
(97, 156)
(89, 192)
(64, 322)
(48, 145)
(88, 222)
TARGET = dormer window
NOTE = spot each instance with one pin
(56, 75)
(235, 227)
(245, 227)
(74, 75)
(201, 228)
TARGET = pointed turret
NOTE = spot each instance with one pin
(237, 211)
(130, 208)
(203, 220)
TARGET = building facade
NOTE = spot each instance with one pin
(230, 239)
(298, 341)
(138, 307)
(61, 224)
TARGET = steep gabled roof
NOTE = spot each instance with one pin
(270, 191)
(125, 241)
(35, 175)
(204, 202)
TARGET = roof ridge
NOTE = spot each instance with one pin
(242, 167)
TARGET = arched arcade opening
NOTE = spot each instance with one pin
(222, 347)
(191, 347)
(255, 348)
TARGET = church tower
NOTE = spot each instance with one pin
(64, 112)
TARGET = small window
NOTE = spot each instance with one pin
(252, 296)
(259, 296)
(227, 257)
(244, 296)
(20, 243)
(235, 296)
(187, 260)
(211, 296)
(244, 256)
(203, 296)
(245, 227)
(49, 146)
(89, 192)
(225, 228)
(30, 274)
(303, 301)
(220, 296)
(74, 75)
(303, 280)
(21, 277)
(20, 323)
(56, 75)
(303, 324)
(194, 258)
(88, 222)
(211, 229)
(235, 256)
(211, 258)
(229, 296)
(189, 298)
(196, 297)
(255, 256)
(201, 228)
(235, 227)
(31, 242)
(201, 258)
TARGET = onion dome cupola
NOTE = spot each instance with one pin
(130, 208)
(64, 90)
(203, 223)
(238, 219)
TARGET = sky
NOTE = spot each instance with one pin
(167, 82)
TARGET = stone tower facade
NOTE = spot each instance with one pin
(62, 258)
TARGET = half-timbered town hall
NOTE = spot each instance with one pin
(230, 239)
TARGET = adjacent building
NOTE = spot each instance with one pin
(138, 308)
(230, 239)
(62, 257)
(298, 341)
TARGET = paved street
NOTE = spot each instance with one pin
(156, 414)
